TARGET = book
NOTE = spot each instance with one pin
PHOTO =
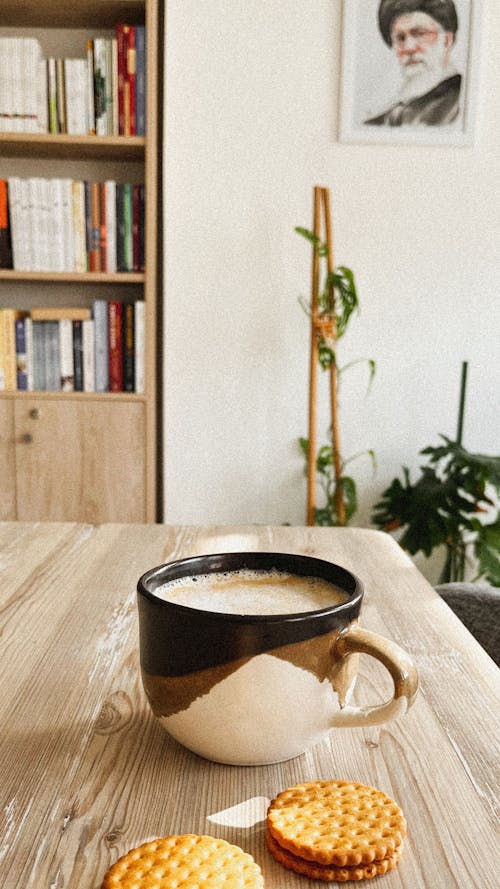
(8, 319)
(39, 377)
(110, 263)
(127, 228)
(78, 355)
(140, 80)
(88, 347)
(100, 76)
(103, 229)
(52, 95)
(75, 75)
(78, 207)
(52, 355)
(140, 331)
(57, 313)
(115, 333)
(95, 228)
(128, 348)
(66, 359)
(21, 355)
(61, 96)
(121, 49)
(101, 342)
(90, 89)
(120, 228)
(5, 237)
(130, 82)
(136, 225)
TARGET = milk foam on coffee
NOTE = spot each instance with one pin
(252, 592)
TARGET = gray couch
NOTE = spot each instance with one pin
(478, 607)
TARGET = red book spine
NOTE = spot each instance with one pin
(115, 333)
(102, 226)
(121, 44)
(131, 80)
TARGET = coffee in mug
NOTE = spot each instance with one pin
(251, 658)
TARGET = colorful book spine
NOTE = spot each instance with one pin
(140, 80)
(21, 355)
(8, 319)
(140, 331)
(78, 355)
(5, 237)
(115, 321)
(128, 348)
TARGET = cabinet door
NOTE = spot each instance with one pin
(7, 462)
(80, 460)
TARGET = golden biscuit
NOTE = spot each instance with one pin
(184, 862)
(329, 872)
(340, 823)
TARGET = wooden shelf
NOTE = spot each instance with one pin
(43, 395)
(47, 145)
(54, 441)
(61, 14)
(81, 277)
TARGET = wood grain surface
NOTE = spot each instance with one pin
(86, 772)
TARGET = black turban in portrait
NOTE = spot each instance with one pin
(442, 11)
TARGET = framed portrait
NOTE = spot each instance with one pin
(410, 71)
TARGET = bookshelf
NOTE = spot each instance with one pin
(84, 455)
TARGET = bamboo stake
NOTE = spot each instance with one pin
(313, 367)
(334, 408)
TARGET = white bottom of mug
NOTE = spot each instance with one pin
(267, 711)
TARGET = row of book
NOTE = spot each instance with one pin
(66, 225)
(102, 93)
(98, 349)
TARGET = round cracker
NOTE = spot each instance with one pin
(341, 823)
(328, 872)
(186, 861)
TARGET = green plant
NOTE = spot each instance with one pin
(337, 301)
(443, 508)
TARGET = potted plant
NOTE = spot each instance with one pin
(451, 505)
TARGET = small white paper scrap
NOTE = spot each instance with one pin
(245, 814)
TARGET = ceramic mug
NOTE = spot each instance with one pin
(250, 689)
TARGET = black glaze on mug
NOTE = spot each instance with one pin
(221, 637)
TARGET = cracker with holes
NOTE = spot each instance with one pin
(335, 830)
(186, 861)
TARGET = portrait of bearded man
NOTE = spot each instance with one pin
(421, 35)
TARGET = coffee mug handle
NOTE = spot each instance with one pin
(356, 640)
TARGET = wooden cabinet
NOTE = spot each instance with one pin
(70, 455)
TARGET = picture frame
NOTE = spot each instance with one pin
(419, 82)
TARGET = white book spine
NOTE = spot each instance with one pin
(27, 234)
(76, 96)
(100, 315)
(66, 355)
(67, 215)
(114, 79)
(57, 246)
(140, 338)
(46, 225)
(110, 188)
(88, 356)
(42, 97)
(37, 234)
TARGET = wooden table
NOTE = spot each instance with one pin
(86, 772)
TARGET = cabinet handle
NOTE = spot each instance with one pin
(35, 413)
(26, 438)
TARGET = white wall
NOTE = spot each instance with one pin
(251, 116)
